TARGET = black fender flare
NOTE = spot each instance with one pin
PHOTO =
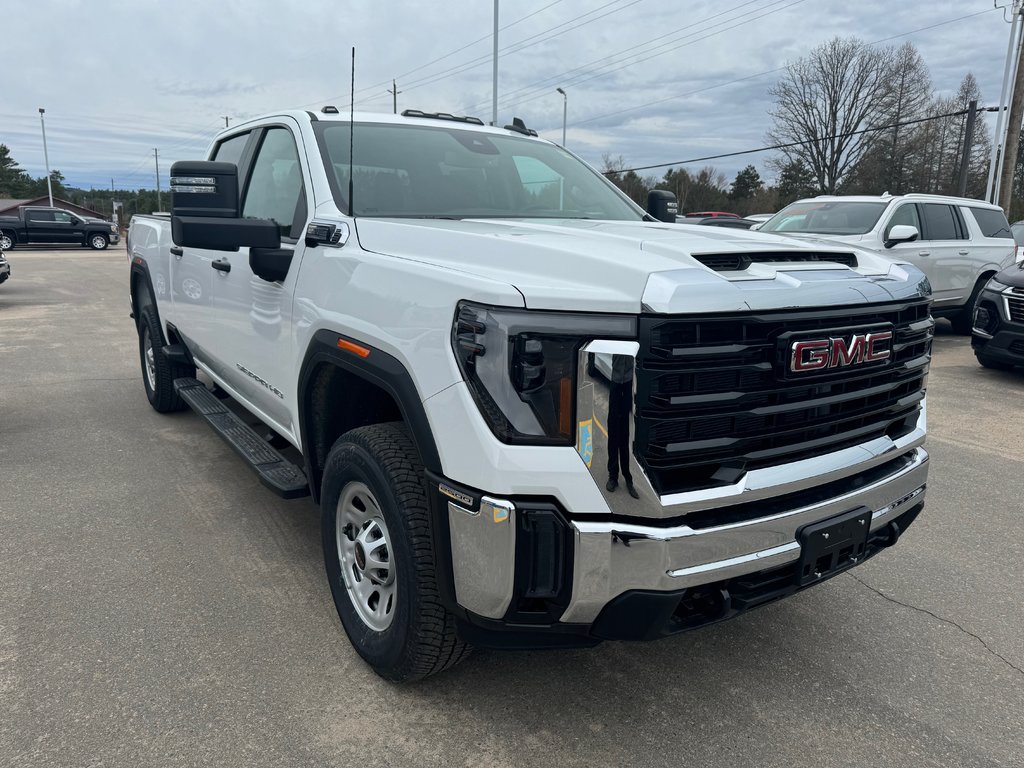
(140, 272)
(377, 368)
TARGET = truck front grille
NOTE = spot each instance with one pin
(1016, 307)
(714, 398)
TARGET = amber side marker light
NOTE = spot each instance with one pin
(355, 349)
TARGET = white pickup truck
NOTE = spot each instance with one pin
(414, 311)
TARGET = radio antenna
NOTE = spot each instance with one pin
(352, 135)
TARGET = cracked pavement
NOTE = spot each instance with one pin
(158, 607)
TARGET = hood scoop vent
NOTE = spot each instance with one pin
(735, 262)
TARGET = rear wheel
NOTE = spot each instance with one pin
(158, 373)
(6, 241)
(379, 554)
(98, 241)
(964, 319)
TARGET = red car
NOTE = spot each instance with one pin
(711, 215)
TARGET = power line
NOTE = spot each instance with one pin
(526, 42)
(766, 72)
(792, 144)
(578, 75)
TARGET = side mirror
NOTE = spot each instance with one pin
(901, 233)
(204, 210)
(661, 204)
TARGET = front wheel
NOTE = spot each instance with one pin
(379, 555)
(995, 365)
(98, 242)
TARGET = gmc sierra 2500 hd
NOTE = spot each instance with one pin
(415, 320)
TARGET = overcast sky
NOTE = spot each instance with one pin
(650, 80)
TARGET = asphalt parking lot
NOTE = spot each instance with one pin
(159, 607)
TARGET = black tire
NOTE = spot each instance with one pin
(98, 241)
(159, 381)
(995, 365)
(420, 639)
(963, 321)
(7, 241)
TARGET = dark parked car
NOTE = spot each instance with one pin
(998, 333)
(36, 224)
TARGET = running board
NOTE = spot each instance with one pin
(274, 470)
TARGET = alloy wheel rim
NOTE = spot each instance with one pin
(5, 242)
(98, 242)
(365, 555)
(150, 357)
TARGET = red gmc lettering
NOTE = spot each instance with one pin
(874, 355)
(838, 352)
(816, 357)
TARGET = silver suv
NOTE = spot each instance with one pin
(958, 243)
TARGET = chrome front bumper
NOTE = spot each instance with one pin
(612, 558)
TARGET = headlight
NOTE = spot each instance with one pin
(520, 366)
(113, 228)
(995, 285)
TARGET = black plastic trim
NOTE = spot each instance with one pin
(378, 368)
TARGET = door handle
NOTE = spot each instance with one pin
(176, 251)
(963, 253)
(221, 265)
(924, 253)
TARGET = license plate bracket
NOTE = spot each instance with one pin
(831, 546)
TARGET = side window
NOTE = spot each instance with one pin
(940, 223)
(543, 187)
(230, 150)
(275, 184)
(42, 216)
(62, 217)
(905, 214)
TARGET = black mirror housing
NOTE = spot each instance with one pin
(661, 204)
(200, 188)
(218, 234)
(270, 264)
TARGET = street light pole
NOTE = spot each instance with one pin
(565, 109)
(494, 84)
(46, 157)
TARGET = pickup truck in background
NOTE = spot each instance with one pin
(39, 225)
(533, 414)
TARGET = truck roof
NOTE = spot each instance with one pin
(408, 117)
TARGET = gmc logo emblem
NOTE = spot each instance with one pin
(819, 354)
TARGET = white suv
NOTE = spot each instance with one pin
(957, 242)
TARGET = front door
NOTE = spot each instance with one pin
(256, 354)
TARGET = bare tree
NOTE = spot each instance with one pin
(843, 86)
(908, 99)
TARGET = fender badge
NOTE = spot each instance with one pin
(451, 493)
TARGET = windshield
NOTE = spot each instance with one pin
(426, 172)
(826, 218)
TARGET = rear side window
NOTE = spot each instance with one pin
(992, 223)
(940, 222)
(230, 150)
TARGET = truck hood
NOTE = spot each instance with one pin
(638, 266)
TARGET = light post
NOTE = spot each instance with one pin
(565, 109)
(46, 156)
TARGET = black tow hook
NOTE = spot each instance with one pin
(893, 533)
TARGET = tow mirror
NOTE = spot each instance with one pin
(204, 210)
(901, 233)
(661, 204)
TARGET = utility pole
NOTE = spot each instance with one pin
(494, 84)
(46, 157)
(393, 90)
(972, 114)
(1009, 159)
(227, 123)
(159, 199)
(1005, 95)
